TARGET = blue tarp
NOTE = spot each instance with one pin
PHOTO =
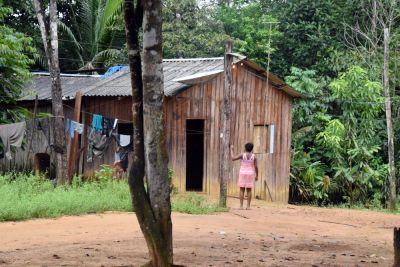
(113, 70)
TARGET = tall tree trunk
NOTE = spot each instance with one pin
(388, 110)
(152, 207)
(49, 33)
(154, 130)
(226, 126)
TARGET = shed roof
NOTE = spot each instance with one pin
(71, 83)
(119, 84)
(179, 74)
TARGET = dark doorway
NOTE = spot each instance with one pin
(42, 164)
(194, 154)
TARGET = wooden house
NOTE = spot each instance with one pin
(261, 113)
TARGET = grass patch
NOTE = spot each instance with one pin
(368, 208)
(25, 196)
(193, 203)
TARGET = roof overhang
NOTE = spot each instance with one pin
(198, 77)
(272, 78)
(238, 58)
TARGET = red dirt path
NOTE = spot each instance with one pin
(267, 235)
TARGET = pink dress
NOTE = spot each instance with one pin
(247, 171)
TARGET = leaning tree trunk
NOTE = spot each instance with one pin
(49, 32)
(152, 207)
(388, 109)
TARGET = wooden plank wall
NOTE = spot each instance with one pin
(253, 103)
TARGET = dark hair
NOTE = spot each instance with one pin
(248, 147)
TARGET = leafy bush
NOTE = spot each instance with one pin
(335, 148)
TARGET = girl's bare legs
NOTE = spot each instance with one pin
(248, 197)
(241, 197)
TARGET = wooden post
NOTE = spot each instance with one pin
(225, 135)
(396, 244)
(74, 142)
(388, 110)
(29, 146)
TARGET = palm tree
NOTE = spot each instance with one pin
(93, 32)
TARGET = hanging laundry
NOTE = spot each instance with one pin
(124, 140)
(97, 122)
(79, 128)
(67, 125)
(108, 126)
(124, 155)
(98, 143)
(43, 124)
(71, 127)
(1, 150)
(12, 135)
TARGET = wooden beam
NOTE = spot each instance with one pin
(75, 141)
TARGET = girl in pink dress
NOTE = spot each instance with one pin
(248, 172)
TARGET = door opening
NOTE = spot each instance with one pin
(194, 155)
(42, 164)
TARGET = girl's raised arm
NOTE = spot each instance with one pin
(233, 157)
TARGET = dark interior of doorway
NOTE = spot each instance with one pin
(194, 154)
(43, 166)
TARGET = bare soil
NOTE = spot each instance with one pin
(267, 235)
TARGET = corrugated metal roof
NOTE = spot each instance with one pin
(178, 74)
(120, 84)
(70, 84)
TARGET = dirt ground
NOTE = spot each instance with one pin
(267, 235)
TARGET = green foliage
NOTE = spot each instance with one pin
(105, 173)
(193, 203)
(253, 30)
(311, 32)
(190, 30)
(93, 32)
(29, 196)
(308, 182)
(26, 196)
(15, 49)
(339, 140)
(173, 189)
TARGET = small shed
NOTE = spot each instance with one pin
(261, 113)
